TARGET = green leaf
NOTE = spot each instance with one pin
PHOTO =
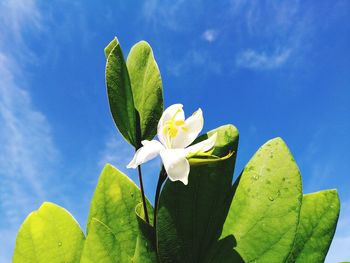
(146, 243)
(190, 217)
(146, 84)
(101, 245)
(114, 202)
(110, 46)
(318, 220)
(264, 212)
(49, 234)
(119, 92)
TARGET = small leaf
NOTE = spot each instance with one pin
(190, 218)
(49, 234)
(318, 220)
(264, 212)
(113, 204)
(207, 159)
(119, 92)
(146, 84)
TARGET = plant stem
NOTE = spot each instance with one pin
(162, 177)
(143, 194)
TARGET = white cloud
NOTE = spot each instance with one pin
(194, 59)
(27, 150)
(267, 17)
(171, 14)
(163, 12)
(277, 28)
(210, 35)
(255, 60)
(26, 147)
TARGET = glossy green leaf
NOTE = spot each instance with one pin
(119, 92)
(49, 234)
(264, 212)
(114, 202)
(101, 245)
(318, 220)
(146, 84)
(190, 216)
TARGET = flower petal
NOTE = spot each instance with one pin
(176, 164)
(189, 132)
(148, 151)
(175, 112)
(202, 146)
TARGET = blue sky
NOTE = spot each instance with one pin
(271, 68)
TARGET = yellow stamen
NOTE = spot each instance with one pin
(179, 123)
(171, 126)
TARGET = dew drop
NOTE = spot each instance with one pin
(59, 244)
(255, 177)
(271, 198)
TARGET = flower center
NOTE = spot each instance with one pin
(172, 126)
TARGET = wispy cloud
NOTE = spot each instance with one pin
(163, 12)
(210, 35)
(262, 61)
(27, 150)
(276, 29)
(194, 59)
(174, 15)
(267, 17)
(27, 146)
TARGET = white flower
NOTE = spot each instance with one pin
(175, 135)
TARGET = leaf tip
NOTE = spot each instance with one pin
(111, 46)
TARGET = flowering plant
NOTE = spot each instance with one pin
(198, 214)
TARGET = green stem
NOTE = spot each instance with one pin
(162, 177)
(143, 194)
